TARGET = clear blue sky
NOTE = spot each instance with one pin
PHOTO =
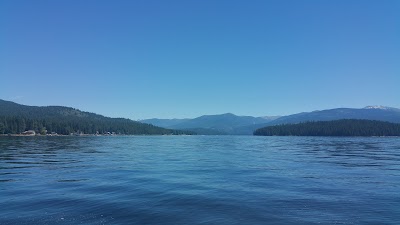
(177, 59)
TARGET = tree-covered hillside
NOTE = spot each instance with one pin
(346, 127)
(16, 118)
(379, 113)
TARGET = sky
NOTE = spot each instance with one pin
(143, 59)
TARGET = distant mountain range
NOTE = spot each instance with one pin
(16, 118)
(227, 123)
(245, 125)
(379, 113)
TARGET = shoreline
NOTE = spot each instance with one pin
(91, 135)
(128, 135)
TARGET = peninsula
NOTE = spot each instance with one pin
(345, 127)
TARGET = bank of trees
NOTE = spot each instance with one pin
(346, 127)
(16, 118)
(64, 125)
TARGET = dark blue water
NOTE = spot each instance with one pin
(199, 180)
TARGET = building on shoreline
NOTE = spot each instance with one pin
(29, 133)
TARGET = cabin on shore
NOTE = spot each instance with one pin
(29, 133)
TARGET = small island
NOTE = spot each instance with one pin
(344, 127)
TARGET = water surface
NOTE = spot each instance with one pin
(199, 180)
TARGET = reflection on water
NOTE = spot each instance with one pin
(199, 180)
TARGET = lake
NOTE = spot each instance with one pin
(199, 180)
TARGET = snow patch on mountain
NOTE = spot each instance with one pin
(377, 107)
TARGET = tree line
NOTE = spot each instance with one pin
(16, 118)
(66, 125)
(345, 127)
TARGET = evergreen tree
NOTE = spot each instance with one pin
(2, 128)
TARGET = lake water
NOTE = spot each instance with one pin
(199, 180)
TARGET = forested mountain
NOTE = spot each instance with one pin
(368, 113)
(223, 121)
(227, 123)
(345, 127)
(16, 118)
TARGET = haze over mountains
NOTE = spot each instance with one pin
(245, 125)
(380, 113)
(227, 123)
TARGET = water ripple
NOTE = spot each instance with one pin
(199, 180)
